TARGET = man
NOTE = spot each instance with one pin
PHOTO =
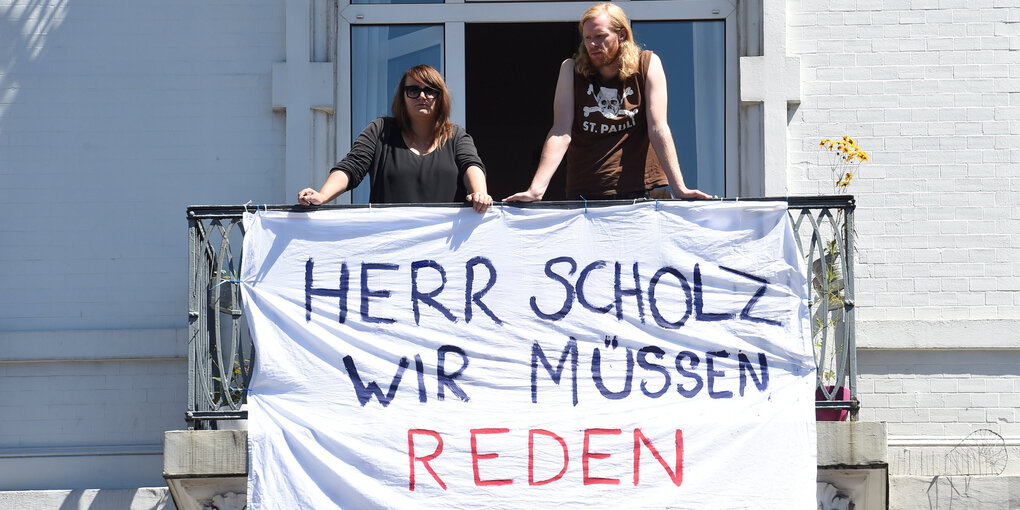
(609, 109)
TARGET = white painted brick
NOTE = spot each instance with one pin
(891, 416)
(916, 415)
(982, 284)
(970, 416)
(944, 386)
(1001, 415)
(983, 312)
(965, 44)
(1007, 398)
(973, 385)
(927, 285)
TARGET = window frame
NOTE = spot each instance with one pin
(455, 13)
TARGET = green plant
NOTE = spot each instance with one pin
(234, 385)
(846, 157)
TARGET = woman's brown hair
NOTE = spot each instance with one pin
(442, 128)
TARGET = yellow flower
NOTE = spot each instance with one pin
(847, 156)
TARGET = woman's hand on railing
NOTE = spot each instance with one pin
(309, 196)
(479, 201)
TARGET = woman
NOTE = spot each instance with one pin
(416, 156)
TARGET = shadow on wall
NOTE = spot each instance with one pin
(125, 499)
(22, 39)
(939, 364)
(150, 498)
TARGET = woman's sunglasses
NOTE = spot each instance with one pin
(414, 91)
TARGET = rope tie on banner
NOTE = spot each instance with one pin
(656, 204)
(585, 204)
(225, 281)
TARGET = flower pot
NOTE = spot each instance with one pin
(832, 414)
(234, 424)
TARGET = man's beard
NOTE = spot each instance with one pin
(606, 60)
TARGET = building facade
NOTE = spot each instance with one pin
(115, 116)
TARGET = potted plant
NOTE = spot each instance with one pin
(827, 279)
(231, 392)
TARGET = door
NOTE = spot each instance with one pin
(500, 60)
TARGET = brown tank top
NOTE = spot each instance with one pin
(609, 151)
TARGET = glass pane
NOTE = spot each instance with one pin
(380, 55)
(693, 54)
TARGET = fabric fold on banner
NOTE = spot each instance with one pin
(654, 355)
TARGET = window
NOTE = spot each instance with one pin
(500, 61)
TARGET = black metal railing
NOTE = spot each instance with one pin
(221, 354)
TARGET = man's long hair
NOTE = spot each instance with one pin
(628, 57)
(442, 128)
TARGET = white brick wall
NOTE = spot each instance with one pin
(941, 393)
(114, 116)
(112, 123)
(930, 90)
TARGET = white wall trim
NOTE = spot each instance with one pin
(81, 451)
(524, 11)
(949, 334)
(943, 441)
(94, 345)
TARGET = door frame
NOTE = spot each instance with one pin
(455, 13)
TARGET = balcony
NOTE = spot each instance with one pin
(221, 353)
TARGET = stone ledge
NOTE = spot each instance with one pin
(852, 443)
(974, 334)
(205, 453)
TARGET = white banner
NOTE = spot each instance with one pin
(642, 356)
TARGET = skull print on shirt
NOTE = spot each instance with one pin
(608, 103)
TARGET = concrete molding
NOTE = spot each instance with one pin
(94, 345)
(918, 441)
(949, 334)
(205, 453)
(81, 451)
(851, 443)
(202, 466)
